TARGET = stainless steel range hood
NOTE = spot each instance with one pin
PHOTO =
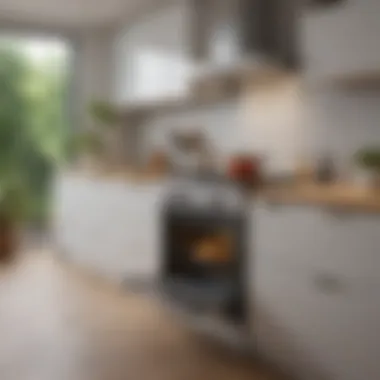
(236, 39)
(246, 68)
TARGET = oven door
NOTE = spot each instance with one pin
(203, 260)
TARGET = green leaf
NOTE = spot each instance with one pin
(104, 113)
(369, 158)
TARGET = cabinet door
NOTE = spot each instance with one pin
(151, 56)
(285, 234)
(319, 313)
(109, 226)
(318, 332)
(142, 253)
(341, 38)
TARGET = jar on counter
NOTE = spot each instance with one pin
(326, 172)
(246, 169)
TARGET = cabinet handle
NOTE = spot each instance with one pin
(328, 283)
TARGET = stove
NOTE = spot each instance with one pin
(204, 246)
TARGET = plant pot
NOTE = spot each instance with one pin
(8, 240)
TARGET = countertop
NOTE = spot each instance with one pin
(341, 196)
(129, 176)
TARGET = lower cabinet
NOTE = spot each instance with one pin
(315, 291)
(108, 226)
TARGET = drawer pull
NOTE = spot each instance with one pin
(328, 283)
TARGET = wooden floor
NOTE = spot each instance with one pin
(58, 323)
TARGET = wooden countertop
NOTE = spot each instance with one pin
(340, 196)
(130, 176)
(345, 197)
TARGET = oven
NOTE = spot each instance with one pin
(204, 248)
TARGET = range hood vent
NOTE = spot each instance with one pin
(243, 37)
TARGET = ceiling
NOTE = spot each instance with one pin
(69, 13)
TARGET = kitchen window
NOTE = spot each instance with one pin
(157, 73)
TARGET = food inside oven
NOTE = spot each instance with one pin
(215, 248)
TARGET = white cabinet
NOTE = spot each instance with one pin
(341, 39)
(315, 286)
(151, 56)
(109, 226)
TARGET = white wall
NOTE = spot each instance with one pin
(343, 38)
(274, 123)
(267, 120)
(220, 123)
(341, 123)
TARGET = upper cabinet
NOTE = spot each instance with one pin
(151, 56)
(341, 40)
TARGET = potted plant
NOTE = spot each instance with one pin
(368, 159)
(96, 146)
(22, 188)
(23, 164)
(15, 204)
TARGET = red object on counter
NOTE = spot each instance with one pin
(245, 168)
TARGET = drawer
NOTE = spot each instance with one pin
(310, 328)
(346, 244)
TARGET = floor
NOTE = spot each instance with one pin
(59, 323)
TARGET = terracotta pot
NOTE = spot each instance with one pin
(8, 240)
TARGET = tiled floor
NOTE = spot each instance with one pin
(57, 323)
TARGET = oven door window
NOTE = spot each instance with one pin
(203, 253)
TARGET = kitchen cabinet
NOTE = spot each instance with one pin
(151, 56)
(315, 285)
(314, 279)
(341, 39)
(108, 225)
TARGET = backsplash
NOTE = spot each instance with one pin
(265, 121)
(343, 122)
(282, 123)
(220, 124)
